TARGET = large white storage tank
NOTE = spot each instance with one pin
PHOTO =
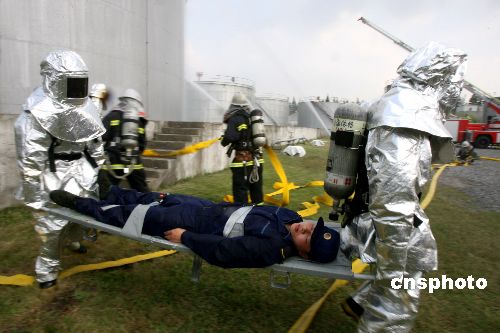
(293, 118)
(276, 108)
(316, 114)
(208, 97)
(126, 44)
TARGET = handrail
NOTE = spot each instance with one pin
(225, 79)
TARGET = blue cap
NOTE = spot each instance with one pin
(325, 243)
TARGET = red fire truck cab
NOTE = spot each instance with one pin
(479, 134)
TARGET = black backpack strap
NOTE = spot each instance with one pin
(359, 203)
(52, 159)
(246, 141)
(68, 157)
(89, 157)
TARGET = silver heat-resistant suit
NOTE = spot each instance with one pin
(59, 115)
(406, 134)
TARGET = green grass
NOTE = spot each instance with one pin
(158, 296)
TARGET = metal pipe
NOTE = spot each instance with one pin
(467, 85)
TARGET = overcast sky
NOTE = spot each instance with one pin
(317, 47)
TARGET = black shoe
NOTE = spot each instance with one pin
(104, 184)
(352, 309)
(47, 284)
(63, 198)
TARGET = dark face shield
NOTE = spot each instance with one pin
(77, 87)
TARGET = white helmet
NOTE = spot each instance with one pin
(132, 97)
(99, 90)
(131, 93)
(466, 144)
(239, 100)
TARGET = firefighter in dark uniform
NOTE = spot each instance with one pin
(246, 166)
(125, 141)
(466, 153)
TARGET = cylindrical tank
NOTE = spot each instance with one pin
(208, 98)
(130, 123)
(293, 118)
(346, 139)
(276, 108)
(315, 114)
(148, 56)
(258, 132)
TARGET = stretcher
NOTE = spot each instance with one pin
(280, 276)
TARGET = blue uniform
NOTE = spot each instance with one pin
(266, 240)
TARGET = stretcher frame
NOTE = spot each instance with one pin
(280, 277)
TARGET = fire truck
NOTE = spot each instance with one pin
(482, 135)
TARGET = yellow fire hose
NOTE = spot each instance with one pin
(490, 158)
(27, 280)
(358, 266)
(282, 187)
(186, 150)
(305, 320)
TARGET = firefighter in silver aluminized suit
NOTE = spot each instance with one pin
(406, 134)
(58, 147)
(99, 95)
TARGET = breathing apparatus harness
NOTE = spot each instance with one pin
(346, 175)
(66, 156)
(357, 203)
(254, 139)
(126, 139)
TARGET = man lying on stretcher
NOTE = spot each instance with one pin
(268, 235)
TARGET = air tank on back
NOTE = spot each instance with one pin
(258, 132)
(346, 142)
(129, 137)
